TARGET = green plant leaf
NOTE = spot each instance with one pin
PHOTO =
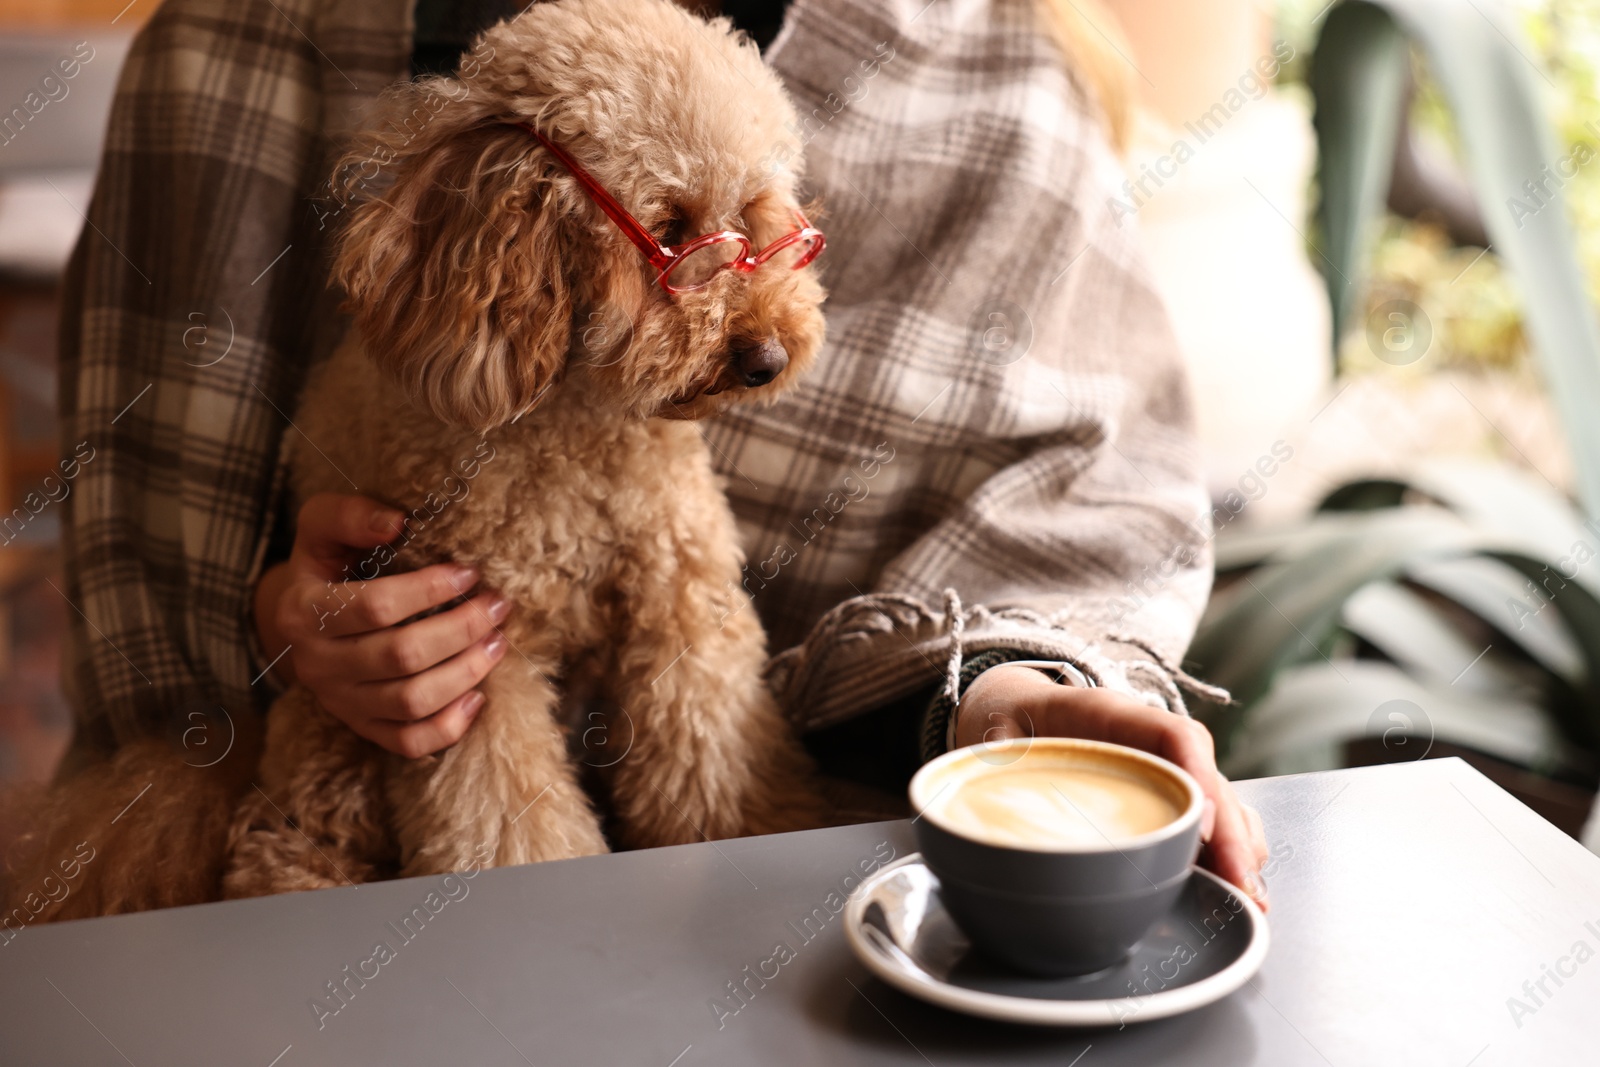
(1497, 594)
(1488, 82)
(1300, 592)
(1421, 638)
(1314, 710)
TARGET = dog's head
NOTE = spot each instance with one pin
(480, 271)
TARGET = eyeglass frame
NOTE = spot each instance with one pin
(663, 258)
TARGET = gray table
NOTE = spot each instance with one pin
(1410, 904)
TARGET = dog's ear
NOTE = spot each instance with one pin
(455, 273)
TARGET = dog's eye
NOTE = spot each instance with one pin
(675, 229)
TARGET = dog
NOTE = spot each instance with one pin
(522, 382)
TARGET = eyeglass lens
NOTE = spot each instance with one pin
(696, 268)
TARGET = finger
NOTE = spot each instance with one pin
(401, 651)
(1231, 842)
(1108, 716)
(1232, 853)
(1255, 832)
(349, 608)
(1254, 818)
(1258, 834)
(1191, 748)
(331, 524)
(438, 731)
(1105, 715)
(421, 695)
(1237, 850)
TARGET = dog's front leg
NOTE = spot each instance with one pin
(316, 817)
(504, 794)
(712, 756)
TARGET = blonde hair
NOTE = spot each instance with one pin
(1097, 55)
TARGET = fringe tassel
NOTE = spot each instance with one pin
(956, 625)
(1212, 693)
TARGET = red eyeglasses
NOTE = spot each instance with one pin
(692, 265)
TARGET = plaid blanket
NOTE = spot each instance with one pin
(994, 451)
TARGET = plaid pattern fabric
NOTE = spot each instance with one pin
(994, 452)
(194, 302)
(990, 328)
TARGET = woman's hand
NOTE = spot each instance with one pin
(1008, 701)
(407, 688)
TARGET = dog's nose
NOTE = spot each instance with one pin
(759, 363)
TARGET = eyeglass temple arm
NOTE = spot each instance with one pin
(642, 239)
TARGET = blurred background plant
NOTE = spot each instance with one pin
(1434, 594)
(1471, 300)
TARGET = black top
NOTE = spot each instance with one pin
(446, 28)
(761, 19)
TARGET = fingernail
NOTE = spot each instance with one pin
(387, 522)
(1208, 820)
(495, 647)
(463, 578)
(499, 608)
(473, 704)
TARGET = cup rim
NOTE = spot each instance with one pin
(1186, 820)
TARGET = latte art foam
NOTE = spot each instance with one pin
(1053, 807)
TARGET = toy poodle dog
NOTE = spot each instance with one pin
(590, 242)
(508, 228)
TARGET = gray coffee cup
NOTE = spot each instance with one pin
(1058, 909)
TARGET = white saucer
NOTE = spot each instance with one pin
(1211, 942)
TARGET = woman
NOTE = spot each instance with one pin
(992, 462)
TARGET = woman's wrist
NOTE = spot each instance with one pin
(1005, 691)
(939, 723)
